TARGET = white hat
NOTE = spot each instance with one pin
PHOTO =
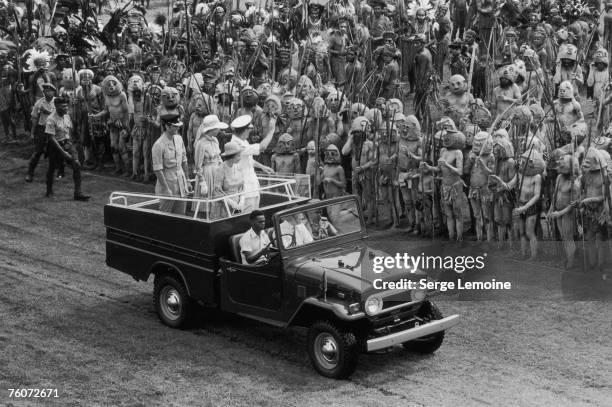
(231, 148)
(241, 122)
(211, 122)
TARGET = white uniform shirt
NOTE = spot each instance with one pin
(251, 183)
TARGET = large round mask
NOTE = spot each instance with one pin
(332, 155)
(289, 78)
(502, 148)
(135, 83)
(446, 123)
(272, 105)
(111, 86)
(595, 159)
(453, 140)
(566, 90)
(412, 128)
(295, 108)
(521, 116)
(358, 109)
(249, 96)
(532, 163)
(333, 101)
(86, 76)
(578, 131)
(567, 164)
(360, 124)
(395, 106)
(457, 84)
(170, 97)
(318, 109)
(285, 144)
(482, 143)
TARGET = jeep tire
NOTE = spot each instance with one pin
(171, 301)
(333, 352)
(427, 344)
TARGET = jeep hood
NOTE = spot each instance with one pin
(350, 266)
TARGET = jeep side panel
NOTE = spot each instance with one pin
(140, 240)
(143, 242)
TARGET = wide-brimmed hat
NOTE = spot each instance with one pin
(212, 122)
(231, 148)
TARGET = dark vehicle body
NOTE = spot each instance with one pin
(325, 285)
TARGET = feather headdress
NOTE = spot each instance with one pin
(98, 51)
(253, 13)
(36, 57)
(430, 9)
(156, 29)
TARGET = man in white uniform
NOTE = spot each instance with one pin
(241, 127)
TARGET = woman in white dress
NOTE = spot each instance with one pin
(207, 155)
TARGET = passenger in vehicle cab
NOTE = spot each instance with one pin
(255, 245)
(321, 226)
(295, 230)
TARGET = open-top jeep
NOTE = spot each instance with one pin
(325, 283)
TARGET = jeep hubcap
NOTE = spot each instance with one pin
(171, 302)
(326, 350)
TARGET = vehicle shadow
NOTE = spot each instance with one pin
(128, 336)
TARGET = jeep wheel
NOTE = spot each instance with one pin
(333, 352)
(431, 343)
(171, 301)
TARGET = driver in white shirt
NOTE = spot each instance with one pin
(255, 245)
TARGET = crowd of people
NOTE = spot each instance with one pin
(489, 116)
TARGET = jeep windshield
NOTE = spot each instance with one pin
(320, 223)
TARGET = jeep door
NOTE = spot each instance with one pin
(252, 289)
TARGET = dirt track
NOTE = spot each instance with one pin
(71, 323)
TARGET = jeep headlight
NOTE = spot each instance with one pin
(373, 305)
(418, 294)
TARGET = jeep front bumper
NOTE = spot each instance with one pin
(412, 333)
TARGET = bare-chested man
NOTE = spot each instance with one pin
(593, 204)
(450, 165)
(387, 173)
(528, 182)
(362, 153)
(506, 94)
(457, 102)
(116, 107)
(334, 180)
(567, 189)
(502, 199)
(568, 110)
(285, 159)
(479, 164)
(409, 156)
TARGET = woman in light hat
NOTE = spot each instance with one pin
(229, 180)
(207, 155)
